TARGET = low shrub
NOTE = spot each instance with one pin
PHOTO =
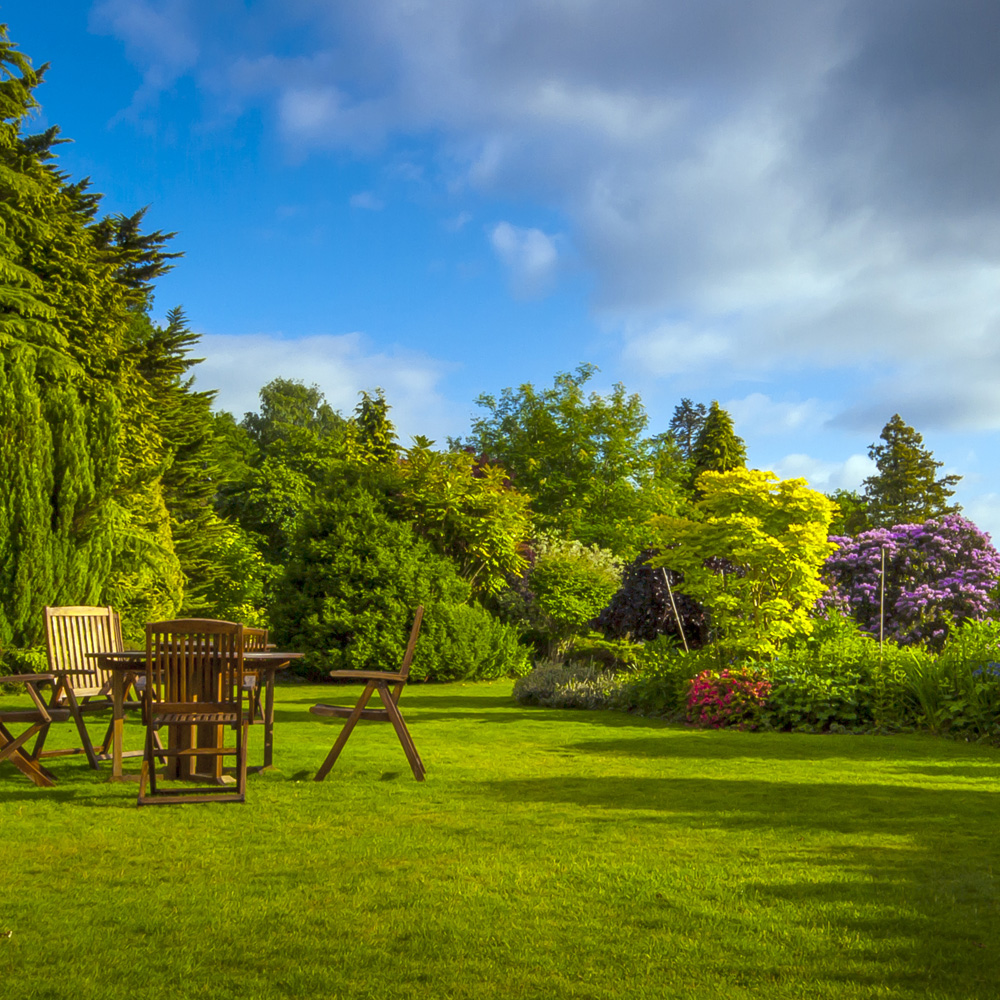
(560, 685)
(958, 691)
(838, 678)
(465, 642)
(730, 697)
(662, 678)
(609, 654)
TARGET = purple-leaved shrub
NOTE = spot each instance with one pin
(937, 574)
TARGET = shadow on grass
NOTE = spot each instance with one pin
(691, 744)
(742, 803)
(857, 862)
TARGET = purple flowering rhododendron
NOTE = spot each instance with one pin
(938, 573)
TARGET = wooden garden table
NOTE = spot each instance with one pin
(126, 666)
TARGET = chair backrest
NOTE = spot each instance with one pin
(194, 662)
(254, 638)
(72, 632)
(404, 667)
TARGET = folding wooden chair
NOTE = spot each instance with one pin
(376, 680)
(38, 719)
(194, 686)
(70, 634)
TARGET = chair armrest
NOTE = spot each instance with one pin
(25, 678)
(365, 675)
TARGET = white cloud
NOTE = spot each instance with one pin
(674, 348)
(530, 256)
(757, 415)
(341, 365)
(824, 475)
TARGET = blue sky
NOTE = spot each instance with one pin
(791, 208)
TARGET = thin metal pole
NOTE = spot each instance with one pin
(673, 604)
(881, 605)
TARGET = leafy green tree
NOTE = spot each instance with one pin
(906, 490)
(718, 448)
(190, 481)
(752, 555)
(467, 510)
(373, 438)
(296, 426)
(571, 584)
(278, 461)
(852, 515)
(584, 460)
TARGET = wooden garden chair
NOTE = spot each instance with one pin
(254, 639)
(376, 680)
(194, 686)
(70, 634)
(36, 720)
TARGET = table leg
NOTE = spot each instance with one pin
(118, 688)
(268, 718)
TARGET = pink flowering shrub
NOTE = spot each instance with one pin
(731, 697)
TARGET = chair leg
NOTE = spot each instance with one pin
(11, 749)
(352, 721)
(81, 728)
(241, 760)
(406, 741)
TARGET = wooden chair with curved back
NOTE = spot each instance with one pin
(376, 680)
(194, 686)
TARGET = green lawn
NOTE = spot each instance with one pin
(548, 854)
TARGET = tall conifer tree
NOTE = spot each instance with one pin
(718, 447)
(906, 490)
(81, 502)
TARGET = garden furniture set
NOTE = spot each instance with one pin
(201, 680)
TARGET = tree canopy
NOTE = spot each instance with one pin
(584, 460)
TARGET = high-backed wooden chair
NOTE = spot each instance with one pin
(253, 639)
(36, 720)
(376, 680)
(194, 686)
(70, 634)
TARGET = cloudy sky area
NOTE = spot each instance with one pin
(791, 208)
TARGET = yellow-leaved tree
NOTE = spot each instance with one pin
(751, 553)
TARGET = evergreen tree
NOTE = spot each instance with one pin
(374, 435)
(192, 477)
(906, 490)
(718, 447)
(81, 502)
(686, 425)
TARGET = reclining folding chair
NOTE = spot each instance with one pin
(376, 680)
(194, 686)
(70, 634)
(38, 719)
